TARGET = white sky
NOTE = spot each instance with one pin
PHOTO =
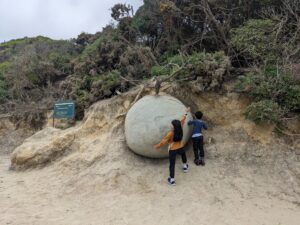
(57, 19)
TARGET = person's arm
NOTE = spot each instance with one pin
(164, 141)
(191, 122)
(183, 118)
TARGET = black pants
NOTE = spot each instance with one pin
(172, 158)
(198, 147)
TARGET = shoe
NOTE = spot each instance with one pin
(171, 181)
(185, 168)
(197, 162)
(202, 162)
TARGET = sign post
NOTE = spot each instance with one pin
(64, 110)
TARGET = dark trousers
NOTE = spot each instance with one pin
(198, 147)
(172, 158)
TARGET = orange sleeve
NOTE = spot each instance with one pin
(182, 120)
(165, 140)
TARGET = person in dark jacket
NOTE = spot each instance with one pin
(197, 137)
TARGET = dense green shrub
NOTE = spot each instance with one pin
(271, 84)
(22, 41)
(264, 111)
(97, 86)
(197, 64)
(100, 56)
(207, 69)
(28, 66)
(112, 51)
(292, 98)
(3, 84)
(3, 90)
(91, 50)
(160, 70)
(274, 87)
(3, 68)
(255, 40)
(61, 62)
(40, 61)
(106, 81)
(93, 88)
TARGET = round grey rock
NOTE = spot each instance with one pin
(149, 120)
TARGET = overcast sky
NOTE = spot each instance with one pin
(57, 19)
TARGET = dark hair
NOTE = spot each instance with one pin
(199, 115)
(177, 130)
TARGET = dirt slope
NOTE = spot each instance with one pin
(251, 177)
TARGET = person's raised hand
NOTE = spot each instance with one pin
(156, 147)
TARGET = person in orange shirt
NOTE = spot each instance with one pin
(174, 139)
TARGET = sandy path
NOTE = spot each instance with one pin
(220, 193)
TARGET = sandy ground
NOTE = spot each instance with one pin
(250, 177)
(219, 193)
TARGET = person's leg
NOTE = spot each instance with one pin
(201, 148)
(183, 155)
(172, 159)
(195, 147)
(185, 166)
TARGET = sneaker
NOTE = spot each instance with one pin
(171, 181)
(185, 167)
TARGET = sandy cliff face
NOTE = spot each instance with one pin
(101, 133)
(11, 137)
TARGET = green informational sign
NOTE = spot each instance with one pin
(64, 110)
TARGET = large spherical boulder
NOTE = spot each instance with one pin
(149, 120)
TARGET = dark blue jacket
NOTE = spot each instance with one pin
(198, 125)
